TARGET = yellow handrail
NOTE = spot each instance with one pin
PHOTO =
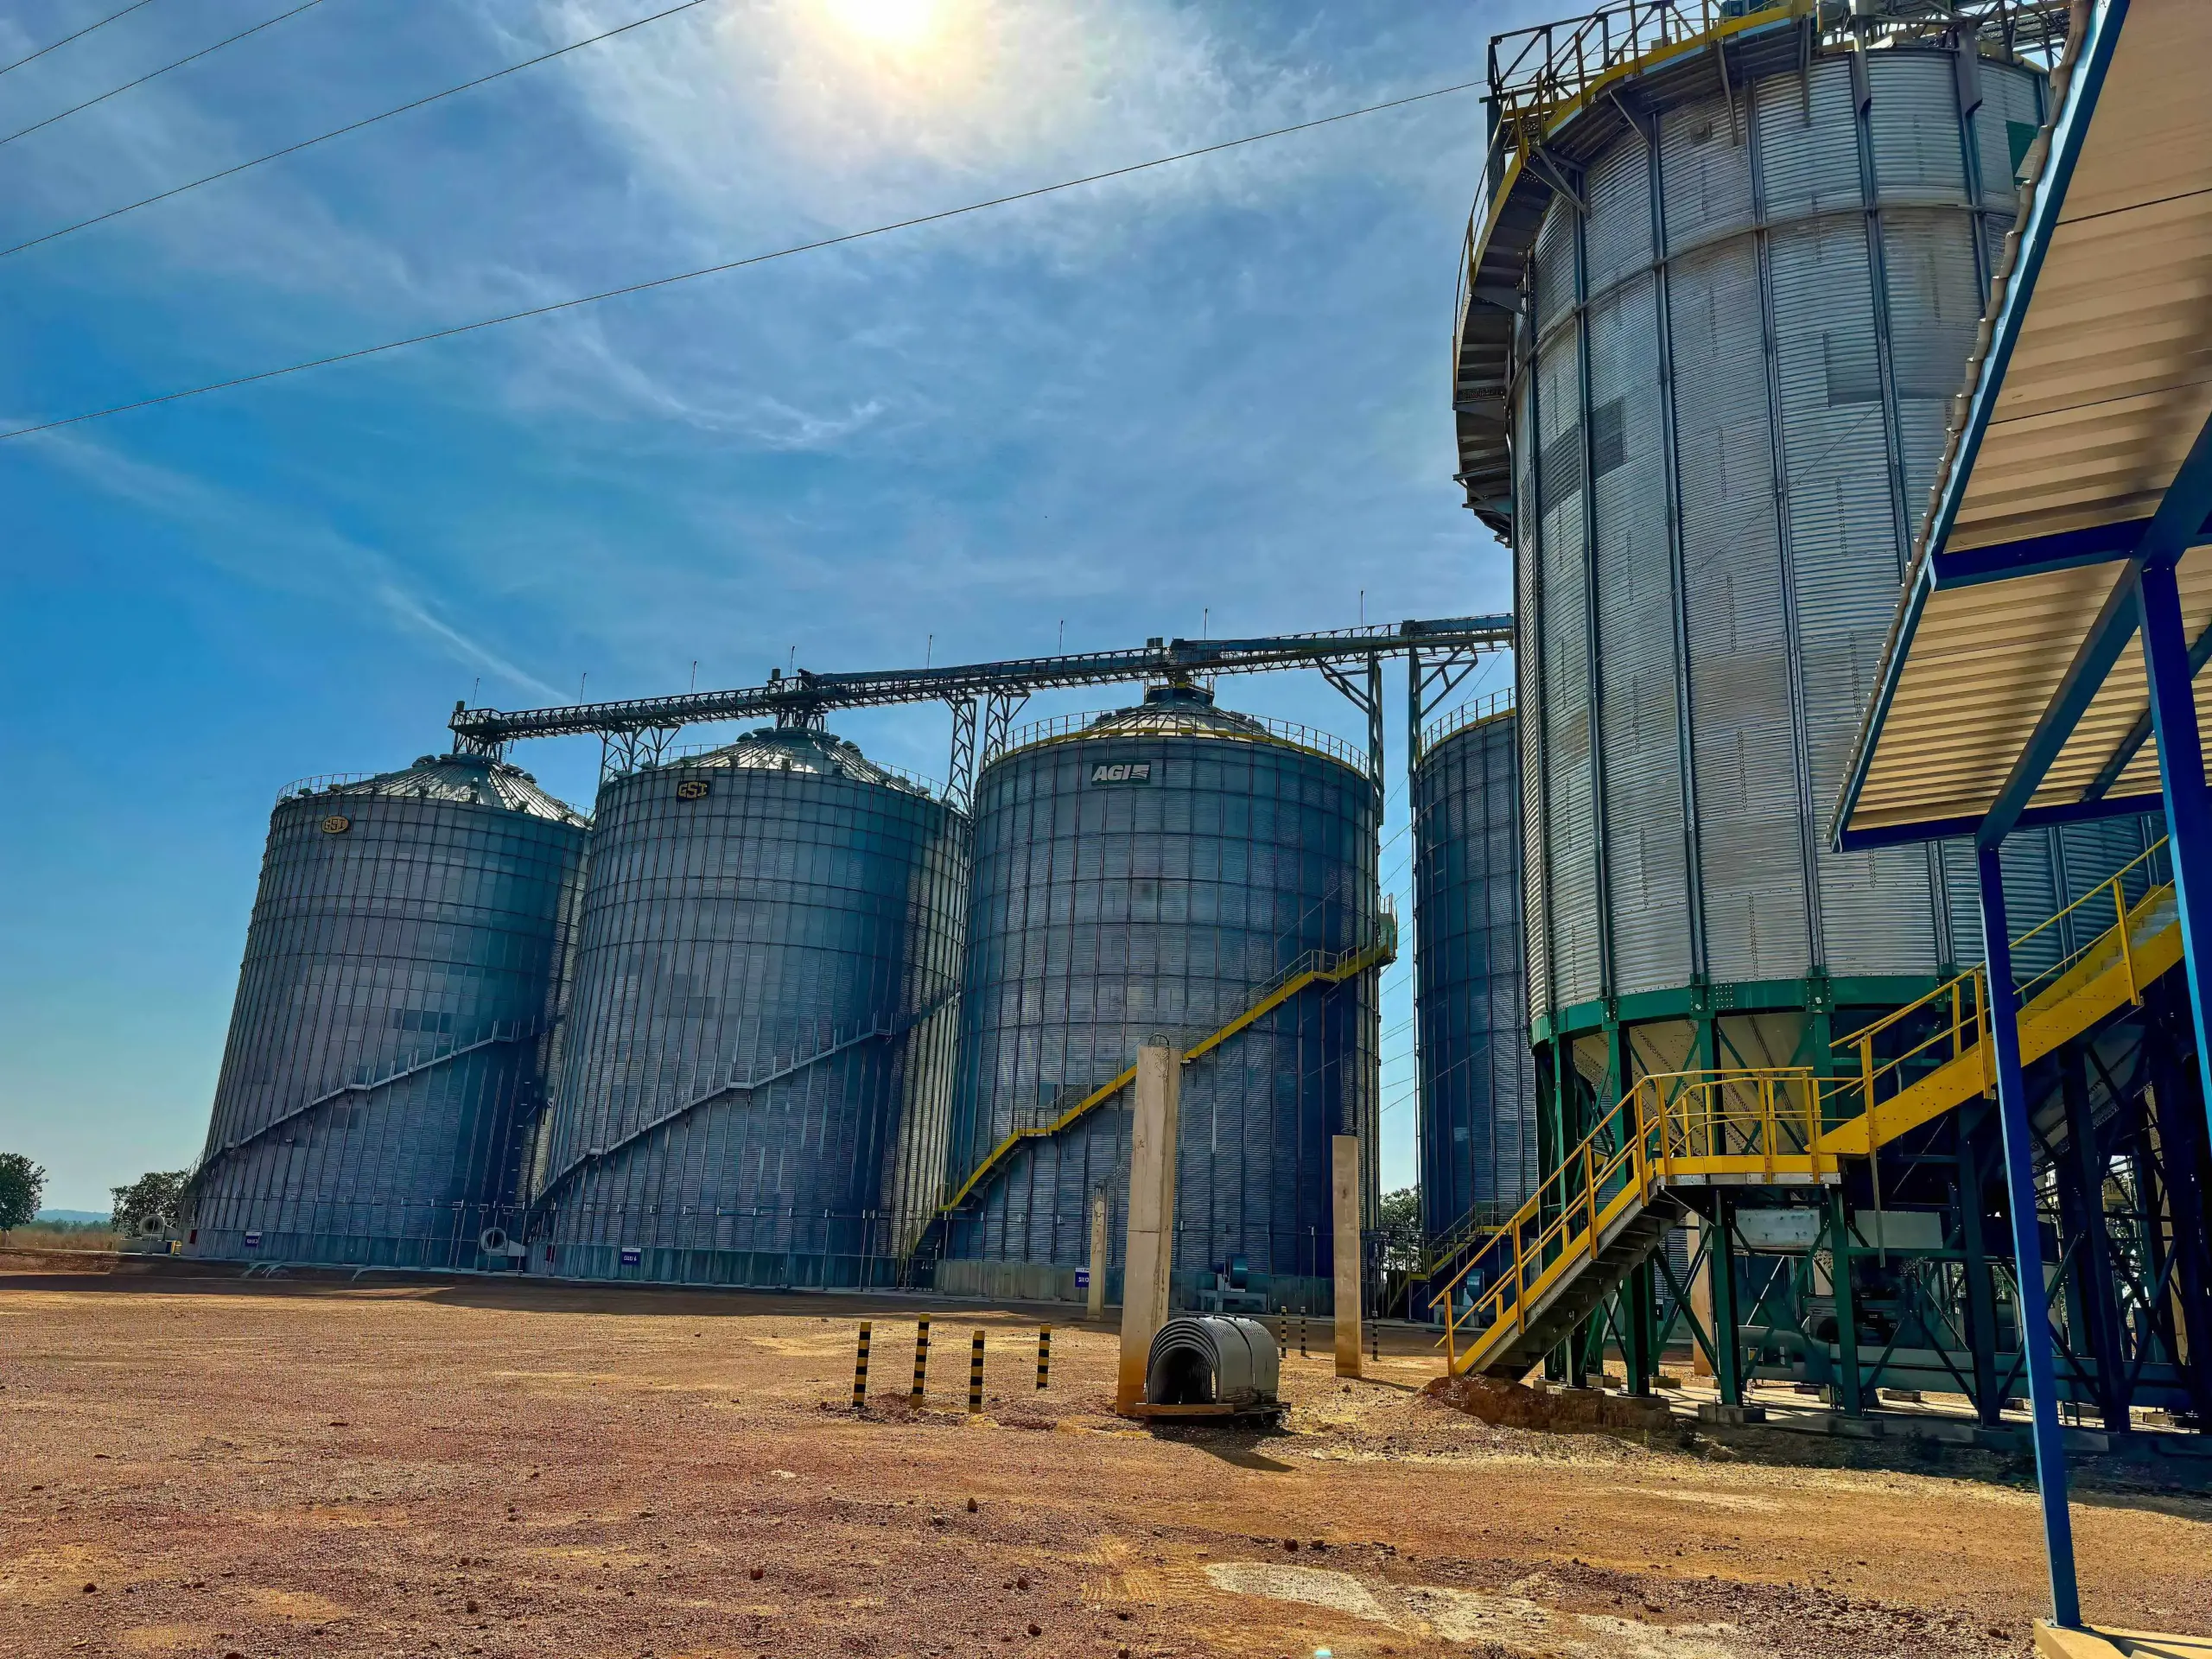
(1314, 966)
(1756, 1123)
(1857, 1049)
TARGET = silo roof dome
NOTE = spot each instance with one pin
(795, 748)
(469, 779)
(1184, 710)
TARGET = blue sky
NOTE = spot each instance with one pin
(1214, 395)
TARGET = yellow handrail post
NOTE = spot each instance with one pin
(1956, 1019)
(1866, 1080)
(2127, 948)
(1637, 1160)
(1766, 1125)
(1520, 1280)
(1590, 1201)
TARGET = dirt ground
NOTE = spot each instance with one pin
(212, 1468)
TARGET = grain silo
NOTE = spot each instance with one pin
(1158, 870)
(752, 1075)
(1714, 319)
(391, 1021)
(1477, 1134)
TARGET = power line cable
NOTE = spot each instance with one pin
(153, 74)
(53, 46)
(728, 265)
(351, 126)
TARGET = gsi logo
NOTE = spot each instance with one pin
(1122, 771)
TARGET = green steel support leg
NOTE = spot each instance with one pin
(1727, 1336)
(1641, 1327)
(1850, 1394)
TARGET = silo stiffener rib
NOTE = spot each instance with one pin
(1314, 967)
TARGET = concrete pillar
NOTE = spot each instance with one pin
(1096, 1306)
(1344, 1197)
(1150, 1254)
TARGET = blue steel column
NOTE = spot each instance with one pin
(2181, 775)
(2034, 1302)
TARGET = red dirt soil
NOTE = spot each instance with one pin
(209, 1468)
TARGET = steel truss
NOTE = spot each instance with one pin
(984, 698)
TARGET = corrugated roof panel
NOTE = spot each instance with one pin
(2106, 384)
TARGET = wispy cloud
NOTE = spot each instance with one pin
(270, 547)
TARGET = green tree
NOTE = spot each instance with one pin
(23, 1184)
(149, 1203)
(1400, 1229)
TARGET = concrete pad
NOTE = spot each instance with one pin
(2054, 1642)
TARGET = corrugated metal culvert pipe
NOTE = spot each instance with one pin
(1209, 1360)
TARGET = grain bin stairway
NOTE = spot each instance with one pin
(1321, 968)
(1604, 1208)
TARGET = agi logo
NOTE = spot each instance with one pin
(1122, 771)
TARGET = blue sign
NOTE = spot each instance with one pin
(1083, 1277)
(632, 1255)
(253, 1240)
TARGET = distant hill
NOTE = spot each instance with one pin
(99, 1216)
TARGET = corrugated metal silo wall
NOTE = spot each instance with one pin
(1477, 1078)
(414, 956)
(1736, 403)
(753, 1071)
(1105, 912)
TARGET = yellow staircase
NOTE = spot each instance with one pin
(1313, 967)
(1950, 1063)
(1603, 1210)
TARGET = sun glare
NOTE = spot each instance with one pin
(893, 22)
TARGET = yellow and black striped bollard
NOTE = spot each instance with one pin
(921, 1361)
(976, 1373)
(1043, 1355)
(1301, 1335)
(1283, 1334)
(860, 1369)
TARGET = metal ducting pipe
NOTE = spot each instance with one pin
(1212, 1361)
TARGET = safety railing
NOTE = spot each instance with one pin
(1474, 713)
(320, 782)
(1535, 73)
(1309, 966)
(1949, 1021)
(1754, 1124)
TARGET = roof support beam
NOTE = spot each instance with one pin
(2035, 556)
(2085, 677)
(2188, 803)
(2139, 733)
(2035, 817)
(2167, 535)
